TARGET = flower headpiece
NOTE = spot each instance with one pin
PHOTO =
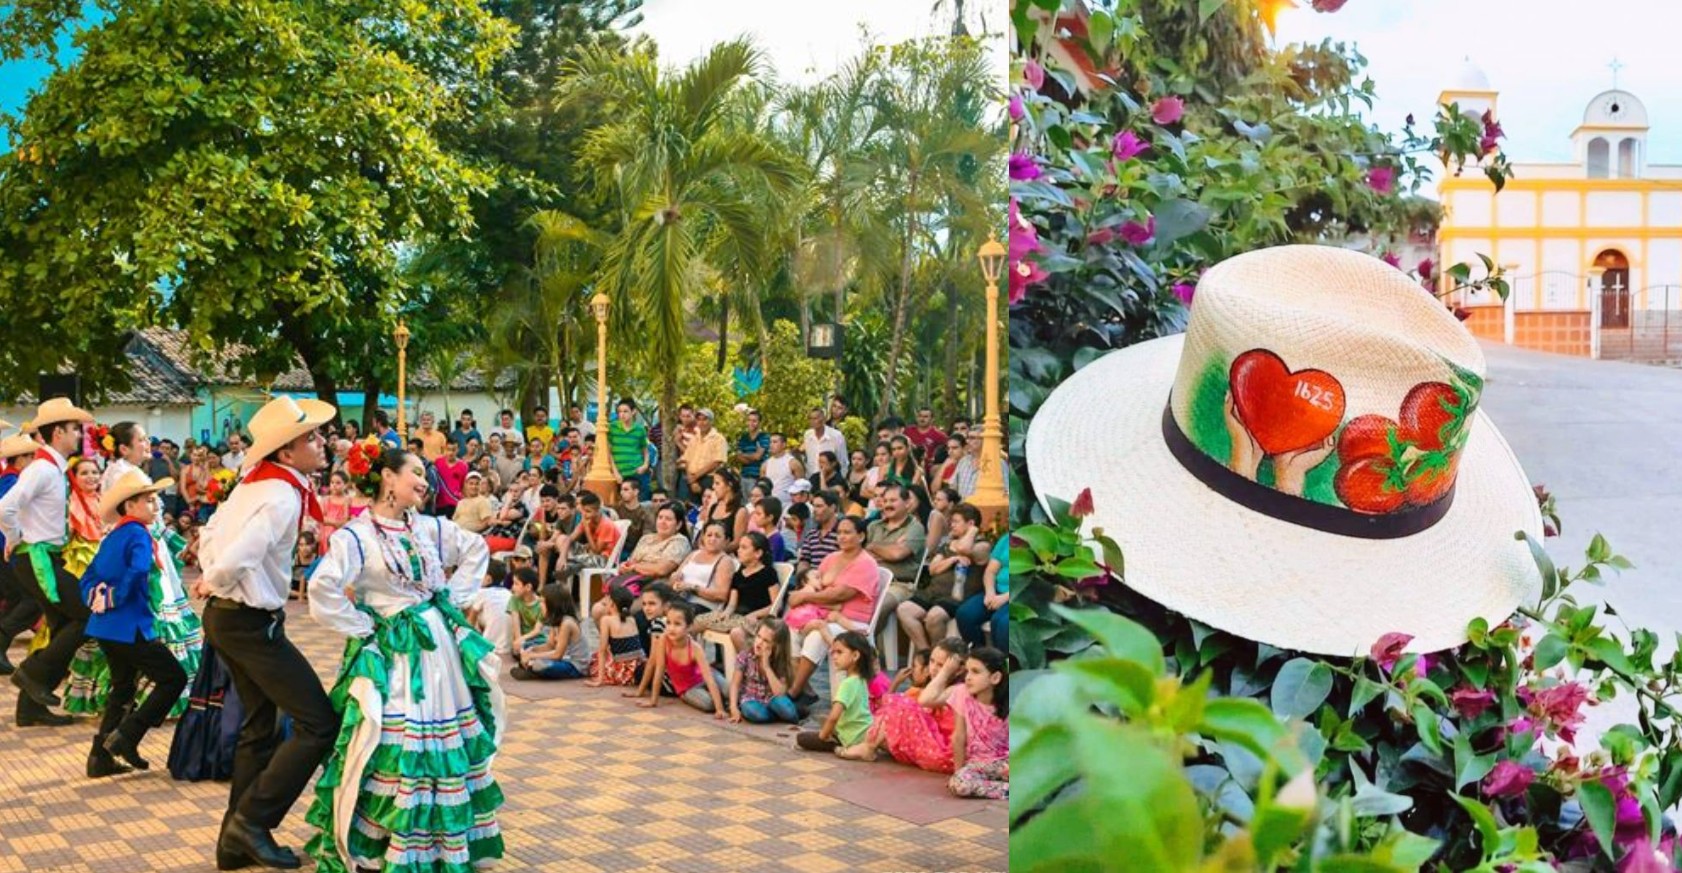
(359, 465)
(99, 437)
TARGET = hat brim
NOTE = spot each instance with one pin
(80, 416)
(1263, 579)
(19, 451)
(316, 413)
(110, 506)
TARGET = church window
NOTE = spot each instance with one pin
(1599, 158)
(1626, 158)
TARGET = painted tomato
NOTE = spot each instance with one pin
(1360, 485)
(1364, 435)
(1424, 414)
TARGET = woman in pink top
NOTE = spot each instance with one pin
(452, 477)
(848, 584)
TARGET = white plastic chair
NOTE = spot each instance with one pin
(889, 642)
(785, 574)
(586, 576)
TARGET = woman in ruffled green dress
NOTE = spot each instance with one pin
(408, 787)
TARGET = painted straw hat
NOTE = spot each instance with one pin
(16, 445)
(130, 485)
(55, 410)
(281, 421)
(1306, 466)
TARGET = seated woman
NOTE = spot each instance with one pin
(751, 589)
(705, 574)
(926, 614)
(655, 558)
(477, 508)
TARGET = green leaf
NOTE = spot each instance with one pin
(1544, 564)
(1123, 682)
(1609, 652)
(1022, 561)
(1550, 651)
(1079, 567)
(1120, 636)
(1430, 731)
(1366, 691)
(1301, 686)
(1039, 538)
(1598, 550)
(1370, 801)
(1099, 26)
(1602, 812)
(1179, 218)
(1112, 556)
(1489, 833)
(1207, 8)
(1039, 766)
(1469, 767)
(1243, 721)
(1275, 828)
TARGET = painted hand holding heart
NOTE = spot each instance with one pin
(1296, 419)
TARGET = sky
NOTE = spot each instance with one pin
(806, 40)
(1545, 57)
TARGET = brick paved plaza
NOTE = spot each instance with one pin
(593, 784)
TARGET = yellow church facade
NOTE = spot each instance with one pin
(1592, 248)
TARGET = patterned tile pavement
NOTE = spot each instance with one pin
(593, 783)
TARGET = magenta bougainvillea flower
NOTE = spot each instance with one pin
(1139, 234)
(1381, 179)
(1508, 779)
(1327, 5)
(1168, 110)
(1016, 107)
(1560, 707)
(1024, 168)
(1472, 702)
(1185, 291)
(1392, 259)
(1426, 268)
(1033, 74)
(1126, 145)
(1024, 242)
(1388, 650)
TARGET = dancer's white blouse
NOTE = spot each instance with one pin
(357, 557)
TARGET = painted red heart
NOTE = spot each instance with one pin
(1284, 411)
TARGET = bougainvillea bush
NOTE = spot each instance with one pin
(1147, 741)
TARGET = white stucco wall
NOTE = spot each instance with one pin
(173, 422)
(1613, 209)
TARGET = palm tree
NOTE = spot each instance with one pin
(682, 177)
(936, 138)
(546, 305)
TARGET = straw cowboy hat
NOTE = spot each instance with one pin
(131, 485)
(17, 444)
(281, 421)
(54, 411)
(1306, 466)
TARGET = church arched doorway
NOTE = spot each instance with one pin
(1614, 288)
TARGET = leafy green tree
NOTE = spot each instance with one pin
(250, 171)
(680, 177)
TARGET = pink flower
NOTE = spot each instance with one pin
(1034, 74)
(1425, 267)
(1024, 242)
(1082, 507)
(1508, 779)
(1125, 145)
(1327, 5)
(1472, 701)
(1388, 650)
(1168, 110)
(1023, 274)
(1381, 179)
(1184, 291)
(1139, 234)
(1422, 666)
(1561, 707)
(1024, 168)
(1392, 259)
(1520, 725)
(1103, 236)
(1643, 858)
(1016, 107)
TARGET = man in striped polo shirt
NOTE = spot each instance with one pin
(819, 539)
(628, 440)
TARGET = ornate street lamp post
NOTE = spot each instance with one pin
(990, 496)
(601, 480)
(402, 337)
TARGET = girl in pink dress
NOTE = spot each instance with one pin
(916, 727)
(335, 507)
(981, 740)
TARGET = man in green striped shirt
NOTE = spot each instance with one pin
(628, 439)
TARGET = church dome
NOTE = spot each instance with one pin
(1616, 106)
(1470, 77)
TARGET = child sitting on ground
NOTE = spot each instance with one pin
(849, 714)
(981, 739)
(620, 657)
(563, 654)
(914, 676)
(759, 690)
(678, 665)
(525, 613)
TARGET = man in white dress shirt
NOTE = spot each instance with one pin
(246, 553)
(823, 438)
(35, 517)
(782, 468)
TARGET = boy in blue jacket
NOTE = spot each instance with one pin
(118, 590)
